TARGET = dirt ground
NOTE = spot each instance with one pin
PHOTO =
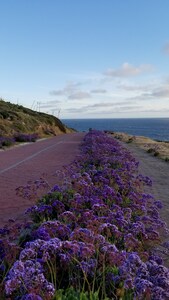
(152, 147)
(155, 167)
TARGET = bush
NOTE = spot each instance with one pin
(22, 138)
(150, 150)
(4, 114)
(6, 142)
(130, 140)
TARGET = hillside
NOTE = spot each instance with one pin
(19, 119)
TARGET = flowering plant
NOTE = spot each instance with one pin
(95, 235)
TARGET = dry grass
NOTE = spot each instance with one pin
(156, 148)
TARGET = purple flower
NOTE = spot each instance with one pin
(28, 276)
(31, 297)
(99, 219)
(143, 286)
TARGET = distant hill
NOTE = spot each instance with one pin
(19, 119)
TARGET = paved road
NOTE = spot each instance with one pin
(19, 165)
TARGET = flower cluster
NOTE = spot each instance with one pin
(96, 233)
(28, 274)
(20, 137)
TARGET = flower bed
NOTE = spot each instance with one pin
(23, 138)
(91, 238)
(19, 138)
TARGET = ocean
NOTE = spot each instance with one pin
(155, 128)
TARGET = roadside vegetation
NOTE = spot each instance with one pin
(17, 138)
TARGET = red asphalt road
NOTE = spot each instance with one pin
(29, 162)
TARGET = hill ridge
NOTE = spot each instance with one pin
(16, 118)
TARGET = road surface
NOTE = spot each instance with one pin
(29, 162)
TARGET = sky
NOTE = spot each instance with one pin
(86, 58)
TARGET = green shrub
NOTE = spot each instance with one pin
(150, 150)
(7, 142)
(4, 114)
(71, 294)
(130, 140)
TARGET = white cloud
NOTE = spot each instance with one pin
(155, 93)
(135, 88)
(69, 88)
(57, 92)
(128, 70)
(79, 95)
(158, 110)
(110, 110)
(166, 48)
(71, 91)
(128, 95)
(98, 91)
(162, 92)
(107, 106)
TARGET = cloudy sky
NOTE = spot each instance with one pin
(86, 58)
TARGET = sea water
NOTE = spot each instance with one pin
(155, 128)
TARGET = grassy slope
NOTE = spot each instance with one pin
(16, 118)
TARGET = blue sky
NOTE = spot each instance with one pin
(86, 59)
